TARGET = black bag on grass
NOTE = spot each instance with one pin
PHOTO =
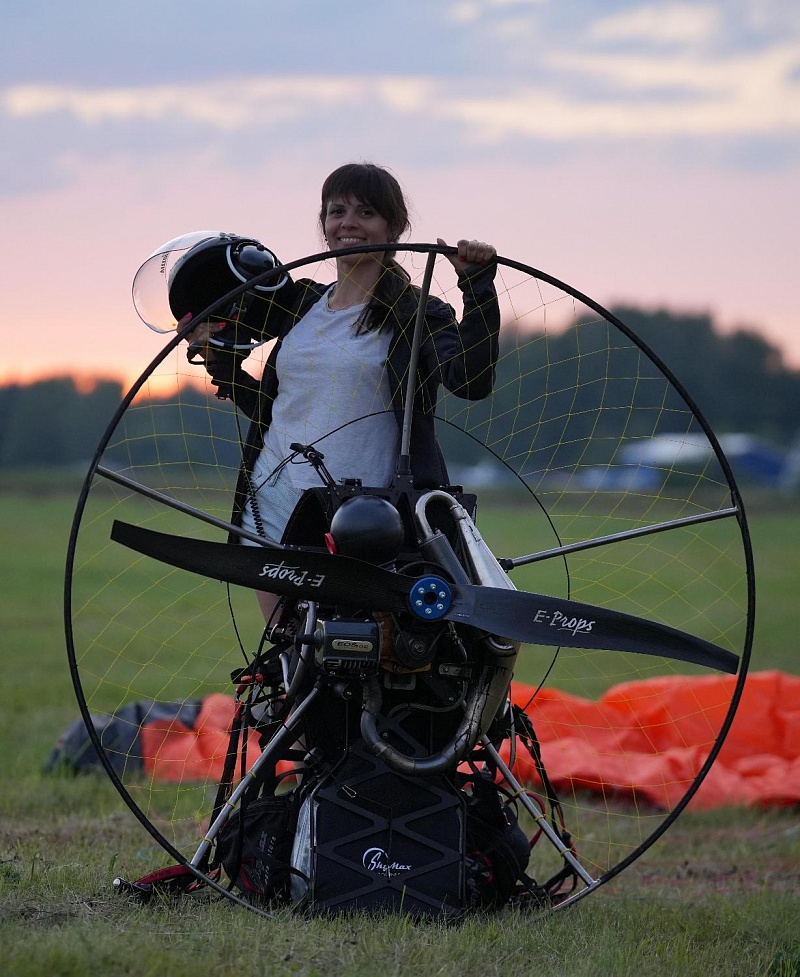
(255, 848)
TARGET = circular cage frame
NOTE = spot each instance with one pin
(736, 511)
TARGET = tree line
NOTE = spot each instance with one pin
(738, 380)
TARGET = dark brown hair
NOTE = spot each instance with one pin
(377, 187)
(371, 185)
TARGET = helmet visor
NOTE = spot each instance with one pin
(152, 281)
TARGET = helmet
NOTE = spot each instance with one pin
(191, 272)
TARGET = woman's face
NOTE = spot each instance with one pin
(349, 222)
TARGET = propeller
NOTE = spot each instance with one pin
(515, 614)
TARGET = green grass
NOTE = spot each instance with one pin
(717, 895)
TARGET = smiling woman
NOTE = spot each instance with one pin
(342, 356)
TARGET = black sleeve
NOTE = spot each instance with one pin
(267, 317)
(465, 354)
(233, 382)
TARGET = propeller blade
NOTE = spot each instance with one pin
(290, 573)
(542, 620)
(531, 618)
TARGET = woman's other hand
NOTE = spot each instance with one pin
(471, 255)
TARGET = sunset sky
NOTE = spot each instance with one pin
(646, 153)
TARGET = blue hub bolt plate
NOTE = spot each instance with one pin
(430, 598)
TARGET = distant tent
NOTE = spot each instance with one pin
(753, 459)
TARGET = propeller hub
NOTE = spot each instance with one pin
(430, 598)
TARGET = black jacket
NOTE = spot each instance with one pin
(460, 356)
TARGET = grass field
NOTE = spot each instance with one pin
(717, 895)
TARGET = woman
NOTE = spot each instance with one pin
(337, 373)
